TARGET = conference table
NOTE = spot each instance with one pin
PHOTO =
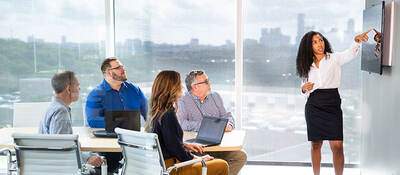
(232, 141)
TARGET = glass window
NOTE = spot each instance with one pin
(177, 35)
(273, 104)
(39, 38)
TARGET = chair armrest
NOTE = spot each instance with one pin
(10, 163)
(4, 151)
(186, 163)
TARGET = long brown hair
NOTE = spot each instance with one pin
(164, 93)
(305, 54)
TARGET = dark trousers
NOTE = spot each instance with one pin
(113, 159)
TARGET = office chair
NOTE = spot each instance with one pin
(39, 154)
(143, 155)
(10, 162)
(29, 114)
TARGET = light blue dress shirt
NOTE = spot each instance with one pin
(56, 119)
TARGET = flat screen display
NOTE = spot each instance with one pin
(371, 51)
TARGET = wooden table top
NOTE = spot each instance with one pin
(232, 141)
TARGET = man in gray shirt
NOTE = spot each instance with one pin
(199, 101)
(57, 118)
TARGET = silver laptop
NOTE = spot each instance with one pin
(211, 131)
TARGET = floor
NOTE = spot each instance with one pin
(290, 170)
(257, 169)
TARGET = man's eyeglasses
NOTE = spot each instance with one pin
(118, 68)
(204, 82)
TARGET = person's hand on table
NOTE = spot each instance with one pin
(95, 161)
(194, 147)
(228, 128)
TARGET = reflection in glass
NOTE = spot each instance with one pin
(39, 38)
(371, 51)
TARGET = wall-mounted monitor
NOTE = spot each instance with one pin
(378, 51)
(371, 51)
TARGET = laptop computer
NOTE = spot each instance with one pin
(211, 131)
(123, 119)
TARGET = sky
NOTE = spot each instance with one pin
(170, 21)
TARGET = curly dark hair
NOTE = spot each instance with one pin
(305, 54)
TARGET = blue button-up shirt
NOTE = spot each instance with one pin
(104, 98)
(191, 110)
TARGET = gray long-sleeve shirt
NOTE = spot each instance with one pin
(191, 110)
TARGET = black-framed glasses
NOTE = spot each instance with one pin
(117, 68)
(203, 82)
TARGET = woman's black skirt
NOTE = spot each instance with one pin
(324, 116)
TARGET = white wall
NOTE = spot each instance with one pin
(380, 137)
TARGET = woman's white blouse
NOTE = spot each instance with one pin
(327, 76)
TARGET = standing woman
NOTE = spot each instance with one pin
(320, 71)
(166, 90)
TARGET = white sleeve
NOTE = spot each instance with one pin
(349, 54)
(303, 81)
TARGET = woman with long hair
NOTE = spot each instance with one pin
(166, 90)
(320, 70)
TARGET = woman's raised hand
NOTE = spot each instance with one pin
(362, 37)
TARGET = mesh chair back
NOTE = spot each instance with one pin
(141, 151)
(39, 154)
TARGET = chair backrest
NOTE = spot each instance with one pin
(142, 152)
(29, 114)
(39, 154)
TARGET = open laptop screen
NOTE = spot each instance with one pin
(123, 119)
(212, 128)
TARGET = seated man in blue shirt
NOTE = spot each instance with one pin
(57, 118)
(113, 93)
(200, 101)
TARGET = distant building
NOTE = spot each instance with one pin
(273, 37)
(229, 43)
(63, 39)
(194, 42)
(301, 28)
(137, 44)
(250, 42)
(147, 47)
(31, 38)
(349, 33)
(333, 38)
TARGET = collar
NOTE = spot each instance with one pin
(107, 87)
(59, 101)
(197, 98)
(323, 58)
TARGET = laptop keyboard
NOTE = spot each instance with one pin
(203, 142)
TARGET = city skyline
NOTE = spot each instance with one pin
(268, 36)
(149, 20)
